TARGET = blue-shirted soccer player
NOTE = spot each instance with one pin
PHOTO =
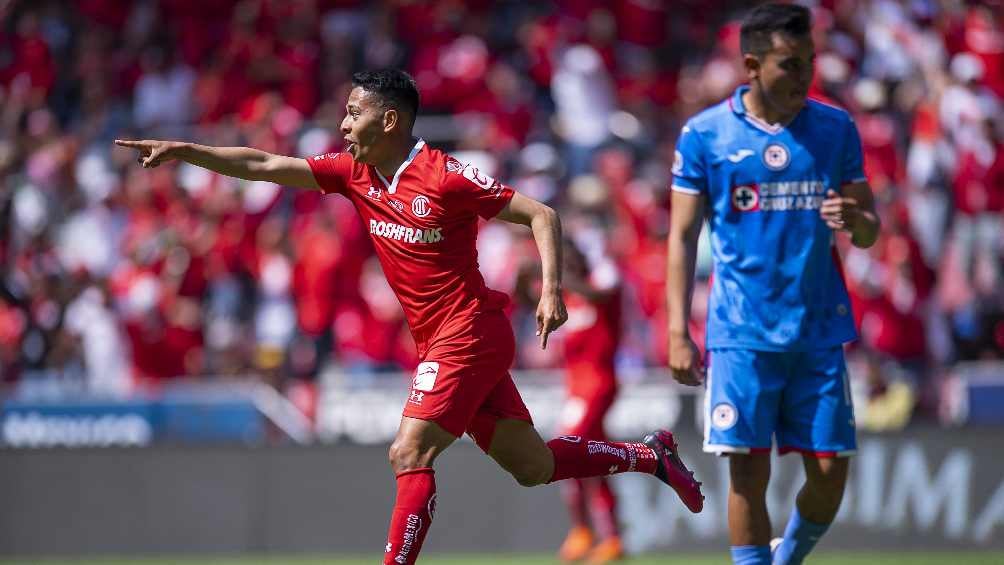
(776, 175)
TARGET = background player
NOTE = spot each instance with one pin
(422, 208)
(592, 335)
(776, 174)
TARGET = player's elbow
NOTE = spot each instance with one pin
(545, 216)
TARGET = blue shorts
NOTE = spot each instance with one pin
(801, 400)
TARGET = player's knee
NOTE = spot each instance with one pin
(828, 481)
(529, 471)
(404, 456)
(530, 475)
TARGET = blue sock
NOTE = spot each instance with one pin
(800, 536)
(751, 554)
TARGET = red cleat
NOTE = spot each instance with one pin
(673, 472)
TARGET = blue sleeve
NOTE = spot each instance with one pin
(852, 163)
(689, 171)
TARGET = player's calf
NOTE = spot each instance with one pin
(815, 508)
(575, 457)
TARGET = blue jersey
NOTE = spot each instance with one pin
(777, 280)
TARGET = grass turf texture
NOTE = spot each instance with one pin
(822, 558)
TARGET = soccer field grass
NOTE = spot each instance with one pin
(830, 558)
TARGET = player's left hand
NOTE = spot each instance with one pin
(840, 212)
(551, 314)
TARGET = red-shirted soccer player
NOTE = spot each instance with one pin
(422, 209)
(592, 334)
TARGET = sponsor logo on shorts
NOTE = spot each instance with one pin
(724, 416)
(432, 506)
(425, 376)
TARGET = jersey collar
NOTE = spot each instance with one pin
(392, 185)
(736, 103)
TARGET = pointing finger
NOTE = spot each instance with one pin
(544, 333)
(129, 143)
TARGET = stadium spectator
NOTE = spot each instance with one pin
(73, 75)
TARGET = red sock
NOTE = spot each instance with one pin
(413, 510)
(603, 506)
(579, 458)
(574, 493)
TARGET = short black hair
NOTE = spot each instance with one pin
(756, 34)
(395, 88)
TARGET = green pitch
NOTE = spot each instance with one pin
(823, 558)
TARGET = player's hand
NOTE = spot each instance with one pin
(840, 212)
(551, 314)
(152, 152)
(685, 361)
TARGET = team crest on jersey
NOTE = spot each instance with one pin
(723, 416)
(745, 198)
(421, 206)
(373, 193)
(776, 157)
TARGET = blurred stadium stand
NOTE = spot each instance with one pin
(117, 280)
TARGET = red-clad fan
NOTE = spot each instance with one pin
(421, 209)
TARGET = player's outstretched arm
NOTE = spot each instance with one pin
(546, 227)
(853, 210)
(686, 215)
(240, 162)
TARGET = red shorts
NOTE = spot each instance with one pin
(467, 388)
(592, 388)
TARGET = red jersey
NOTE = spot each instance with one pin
(592, 332)
(424, 226)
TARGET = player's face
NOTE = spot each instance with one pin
(363, 126)
(785, 72)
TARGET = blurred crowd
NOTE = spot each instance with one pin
(115, 277)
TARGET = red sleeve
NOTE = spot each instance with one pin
(477, 191)
(332, 171)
